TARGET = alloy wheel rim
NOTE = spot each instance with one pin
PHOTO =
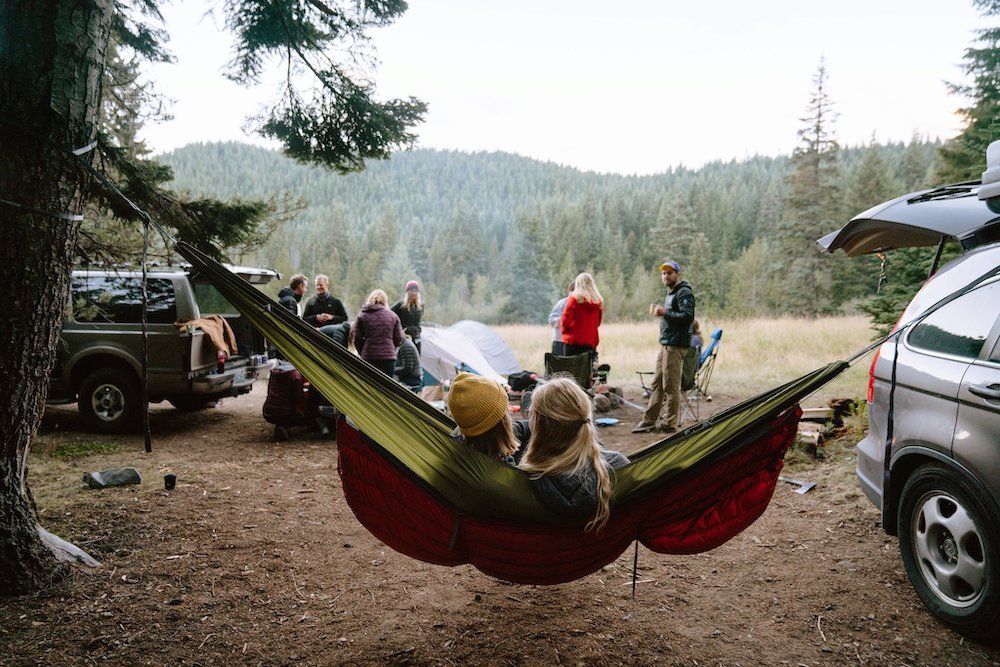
(948, 549)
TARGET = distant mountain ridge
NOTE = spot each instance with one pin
(496, 236)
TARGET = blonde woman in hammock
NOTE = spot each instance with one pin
(570, 471)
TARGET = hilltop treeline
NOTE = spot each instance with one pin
(496, 237)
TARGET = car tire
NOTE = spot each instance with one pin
(109, 400)
(949, 541)
(190, 403)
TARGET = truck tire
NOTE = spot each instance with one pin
(109, 400)
(949, 540)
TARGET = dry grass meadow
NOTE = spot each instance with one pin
(755, 354)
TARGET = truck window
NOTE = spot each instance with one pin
(119, 299)
(210, 300)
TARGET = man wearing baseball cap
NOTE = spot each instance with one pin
(676, 315)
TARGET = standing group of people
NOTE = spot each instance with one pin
(386, 337)
(575, 320)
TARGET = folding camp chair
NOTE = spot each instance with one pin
(580, 366)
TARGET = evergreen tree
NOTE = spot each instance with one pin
(871, 184)
(916, 167)
(905, 271)
(812, 208)
(525, 280)
(53, 69)
(746, 292)
(964, 157)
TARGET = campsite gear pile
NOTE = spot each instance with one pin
(292, 402)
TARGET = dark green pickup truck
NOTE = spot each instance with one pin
(99, 361)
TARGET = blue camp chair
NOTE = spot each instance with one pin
(697, 391)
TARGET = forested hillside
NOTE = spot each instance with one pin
(496, 237)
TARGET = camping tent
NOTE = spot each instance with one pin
(493, 347)
(444, 349)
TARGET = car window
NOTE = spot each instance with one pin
(953, 276)
(960, 327)
(210, 300)
(119, 299)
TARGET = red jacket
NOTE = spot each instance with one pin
(580, 321)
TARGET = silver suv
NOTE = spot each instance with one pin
(931, 459)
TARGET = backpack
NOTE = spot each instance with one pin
(522, 380)
(286, 394)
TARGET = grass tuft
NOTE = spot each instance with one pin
(75, 450)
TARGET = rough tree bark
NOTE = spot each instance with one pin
(51, 66)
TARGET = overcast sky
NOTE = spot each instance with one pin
(626, 86)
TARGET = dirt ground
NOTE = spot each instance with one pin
(255, 558)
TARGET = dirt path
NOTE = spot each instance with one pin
(255, 558)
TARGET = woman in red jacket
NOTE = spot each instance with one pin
(582, 316)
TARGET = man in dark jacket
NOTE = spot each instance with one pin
(676, 315)
(290, 296)
(324, 308)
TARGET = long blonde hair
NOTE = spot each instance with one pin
(585, 290)
(411, 300)
(563, 440)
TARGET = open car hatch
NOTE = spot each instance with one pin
(925, 218)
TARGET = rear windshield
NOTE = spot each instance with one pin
(118, 299)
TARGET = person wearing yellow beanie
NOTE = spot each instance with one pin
(479, 407)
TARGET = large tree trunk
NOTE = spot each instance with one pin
(51, 64)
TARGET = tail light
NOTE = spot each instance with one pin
(220, 361)
(871, 370)
(871, 376)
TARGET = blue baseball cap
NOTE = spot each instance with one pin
(672, 264)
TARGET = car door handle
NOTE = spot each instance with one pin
(986, 391)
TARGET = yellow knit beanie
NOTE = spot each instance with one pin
(476, 403)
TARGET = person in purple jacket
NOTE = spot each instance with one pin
(377, 333)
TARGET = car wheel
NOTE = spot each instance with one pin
(190, 403)
(949, 540)
(109, 400)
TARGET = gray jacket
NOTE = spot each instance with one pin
(574, 495)
(678, 314)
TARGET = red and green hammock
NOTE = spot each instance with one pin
(431, 498)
